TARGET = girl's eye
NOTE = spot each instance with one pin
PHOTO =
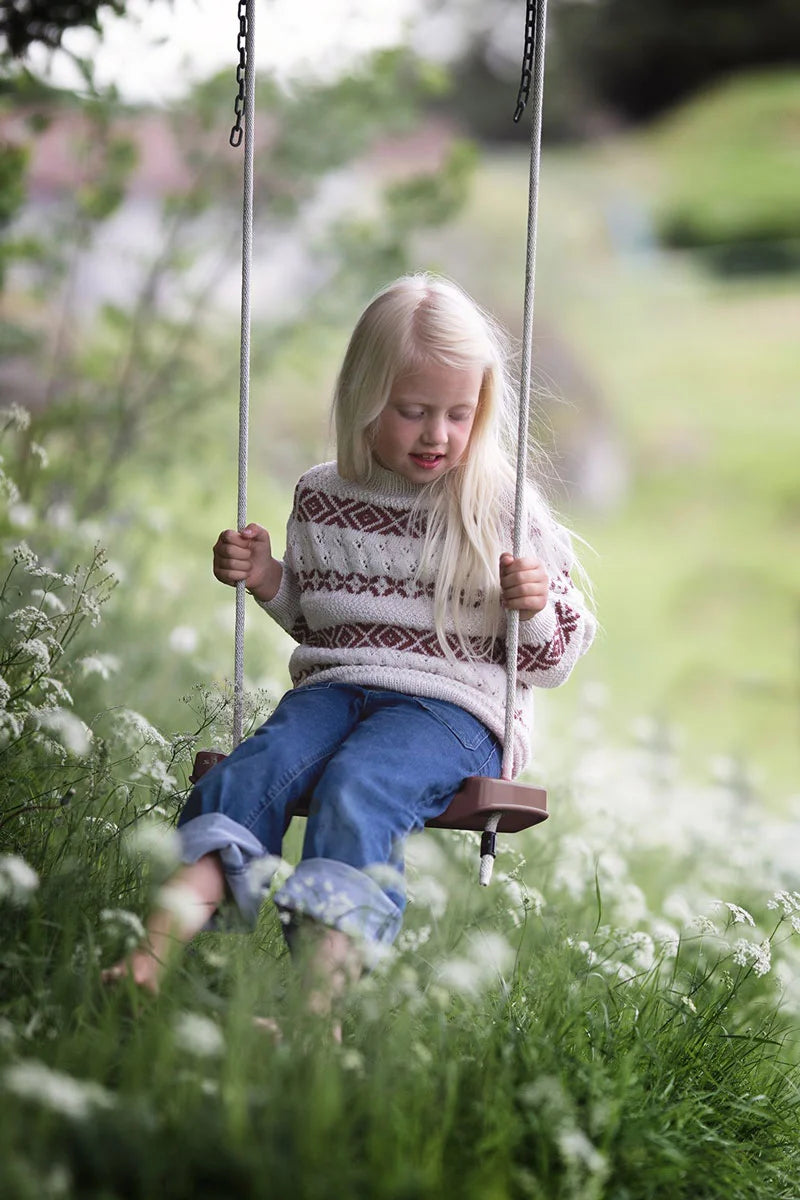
(411, 414)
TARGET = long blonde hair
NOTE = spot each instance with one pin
(415, 321)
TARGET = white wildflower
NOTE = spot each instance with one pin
(136, 728)
(11, 726)
(427, 892)
(8, 488)
(181, 901)
(5, 692)
(8, 1033)
(689, 1003)
(103, 665)
(644, 954)
(55, 691)
(21, 516)
(666, 938)
(62, 1093)
(125, 921)
(583, 948)
(158, 843)
(352, 1060)
(38, 451)
(37, 652)
(183, 639)
(60, 516)
(67, 728)
(18, 880)
(198, 1035)
(22, 554)
(788, 901)
(760, 954)
(267, 871)
(576, 1148)
(739, 915)
(14, 416)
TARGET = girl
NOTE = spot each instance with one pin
(393, 585)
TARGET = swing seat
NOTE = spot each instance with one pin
(520, 804)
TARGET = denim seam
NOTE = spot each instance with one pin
(279, 789)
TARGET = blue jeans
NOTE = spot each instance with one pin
(375, 765)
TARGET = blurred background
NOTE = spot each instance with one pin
(665, 357)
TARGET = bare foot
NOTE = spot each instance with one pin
(141, 966)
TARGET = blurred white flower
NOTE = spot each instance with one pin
(576, 1148)
(103, 665)
(14, 416)
(179, 900)
(21, 516)
(125, 921)
(198, 1035)
(62, 1093)
(158, 843)
(183, 639)
(18, 880)
(67, 728)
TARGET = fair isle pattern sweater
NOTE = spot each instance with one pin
(350, 597)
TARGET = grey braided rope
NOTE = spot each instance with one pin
(520, 514)
(244, 360)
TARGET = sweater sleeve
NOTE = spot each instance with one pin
(284, 607)
(552, 641)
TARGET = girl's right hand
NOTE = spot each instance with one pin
(248, 556)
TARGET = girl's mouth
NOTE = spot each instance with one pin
(427, 461)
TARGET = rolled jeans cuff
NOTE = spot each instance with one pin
(342, 897)
(239, 851)
(329, 891)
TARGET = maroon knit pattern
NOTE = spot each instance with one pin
(358, 584)
(400, 640)
(316, 507)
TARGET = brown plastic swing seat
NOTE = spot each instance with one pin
(470, 808)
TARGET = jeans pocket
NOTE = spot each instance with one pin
(468, 729)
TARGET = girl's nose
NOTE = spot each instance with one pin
(435, 432)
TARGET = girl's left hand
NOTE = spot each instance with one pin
(524, 585)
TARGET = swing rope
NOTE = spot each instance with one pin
(536, 17)
(245, 105)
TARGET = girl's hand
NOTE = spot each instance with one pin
(524, 585)
(248, 556)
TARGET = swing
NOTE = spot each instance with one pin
(483, 805)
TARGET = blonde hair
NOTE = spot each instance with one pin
(415, 321)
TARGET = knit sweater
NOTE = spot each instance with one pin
(350, 597)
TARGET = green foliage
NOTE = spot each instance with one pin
(46, 21)
(730, 165)
(639, 59)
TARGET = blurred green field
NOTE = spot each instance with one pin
(697, 570)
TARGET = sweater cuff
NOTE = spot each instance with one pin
(539, 629)
(284, 605)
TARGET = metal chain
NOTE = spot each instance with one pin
(527, 59)
(241, 46)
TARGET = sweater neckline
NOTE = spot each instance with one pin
(390, 483)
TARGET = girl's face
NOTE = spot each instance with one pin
(425, 427)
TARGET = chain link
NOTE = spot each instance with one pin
(527, 59)
(241, 46)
